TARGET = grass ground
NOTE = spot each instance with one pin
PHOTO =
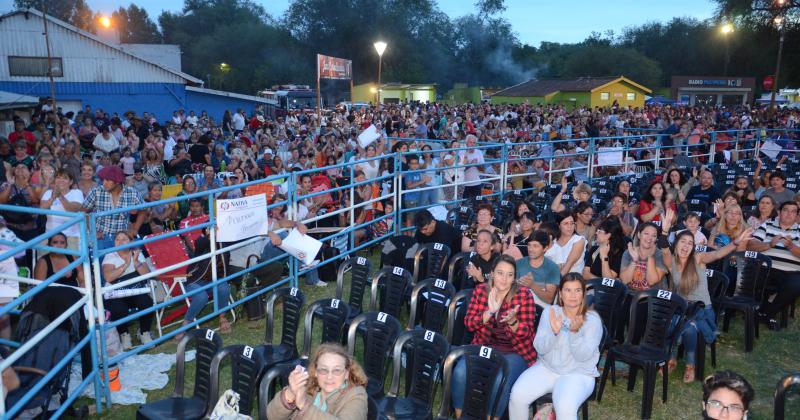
(775, 355)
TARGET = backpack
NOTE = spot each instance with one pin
(18, 198)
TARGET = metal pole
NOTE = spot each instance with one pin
(380, 59)
(49, 58)
(777, 69)
(91, 312)
(212, 236)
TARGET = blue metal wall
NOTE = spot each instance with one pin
(159, 98)
(216, 105)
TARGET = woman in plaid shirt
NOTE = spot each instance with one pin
(501, 315)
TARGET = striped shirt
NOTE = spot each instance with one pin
(782, 258)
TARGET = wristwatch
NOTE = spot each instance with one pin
(605, 259)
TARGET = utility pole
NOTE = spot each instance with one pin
(49, 58)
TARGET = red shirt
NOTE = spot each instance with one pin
(646, 207)
(497, 334)
(25, 135)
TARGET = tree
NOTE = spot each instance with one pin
(74, 12)
(135, 26)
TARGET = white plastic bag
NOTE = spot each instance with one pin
(227, 408)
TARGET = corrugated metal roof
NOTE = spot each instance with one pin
(93, 61)
(544, 87)
(11, 100)
(232, 95)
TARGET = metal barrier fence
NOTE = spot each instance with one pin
(360, 204)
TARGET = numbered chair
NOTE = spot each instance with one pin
(698, 207)
(457, 333)
(784, 386)
(393, 282)
(430, 260)
(334, 314)
(480, 396)
(430, 301)
(428, 349)
(462, 215)
(717, 285)
(665, 313)
(608, 298)
(360, 269)
(379, 332)
(206, 344)
(292, 301)
(246, 367)
(752, 273)
(457, 270)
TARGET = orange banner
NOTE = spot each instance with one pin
(334, 68)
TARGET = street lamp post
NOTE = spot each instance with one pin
(779, 21)
(726, 30)
(380, 47)
(223, 69)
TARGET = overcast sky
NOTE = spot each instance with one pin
(534, 21)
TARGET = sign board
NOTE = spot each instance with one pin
(609, 156)
(241, 218)
(334, 68)
(768, 82)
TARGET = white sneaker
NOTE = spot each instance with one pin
(320, 283)
(145, 337)
(125, 341)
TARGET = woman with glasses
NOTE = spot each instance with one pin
(583, 215)
(332, 388)
(605, 258)
(726, 395)
(729, 227)
(484, 222)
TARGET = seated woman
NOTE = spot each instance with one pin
(688, 273)
(501, 315)
(655, 203)
(479, 267)
(582, 193)
(726, 395)
(605, 258)
(618, 208)
(199, 276)
(567, 343)
(568, 248)
(51, 263)
(729, 227)
(520, 209)
(484, 222)
(516, 242)
(158, 216)
(727, 200)
(741, 187)
(642, 265)
(767, 209)
(677, 185)
(331, 389)
(583, 213)
(120, 266)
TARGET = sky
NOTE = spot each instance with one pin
(533, 21)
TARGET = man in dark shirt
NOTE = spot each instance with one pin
(430, 230)
(705, 191)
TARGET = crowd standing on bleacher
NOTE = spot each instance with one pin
(576, 221)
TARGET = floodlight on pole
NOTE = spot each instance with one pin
(380, 47)
(105, 22)
(726, 29)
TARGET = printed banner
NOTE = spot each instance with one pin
(241, 218)
(334, 68)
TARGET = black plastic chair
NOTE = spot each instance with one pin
(430, 260)
(246, 369)
(394, 281)
(428, 349)
(784, 385)
(483, 365)
(609, 295)
(292, 301)
(206, 343)
(334, 314)
(457, 333)
(717, 286)
(457, 270)
(698, 207)
(664, 321)
(548, 398)
(379, 333)
(752, 273)
(360, 270)
(462, 215)
(430, 300)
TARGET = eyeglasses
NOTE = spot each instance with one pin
(335, 371)
(715, 408)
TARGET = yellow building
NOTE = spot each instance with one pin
(584, 91)
(394, 92)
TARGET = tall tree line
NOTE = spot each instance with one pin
(426, 45)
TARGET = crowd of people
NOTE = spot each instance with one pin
(94, 161)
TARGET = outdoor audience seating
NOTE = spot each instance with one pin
(291, 301)
(429, 304)
(246, 368)
(663, 320)
(608, 296)
(207, 344)
(425, 352)
(483, 365)
(360, 269)
(787, 384)
(430, 260)
(753, 271)
(393, 282)
(457, 333)
(717, 286)
(379, 332)
(457, 269)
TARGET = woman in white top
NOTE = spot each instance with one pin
(567, 251)
(567, 342)
(370, 167)
(62, 197)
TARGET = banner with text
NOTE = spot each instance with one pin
(334, 68)
(241, 218)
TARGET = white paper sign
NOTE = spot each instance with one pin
(368, 136)
(771, 149)
(241, 218)
(302, 247)
(609, 156)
